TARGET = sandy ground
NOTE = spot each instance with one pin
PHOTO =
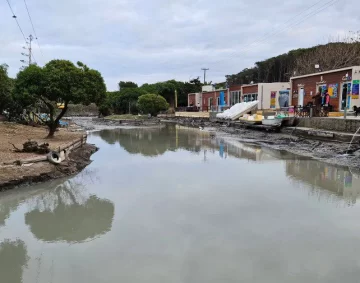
(13, 175)
(18, 134)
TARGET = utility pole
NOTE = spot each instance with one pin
(29, 54)
(176, 99)
(30, 40)
(205, 69)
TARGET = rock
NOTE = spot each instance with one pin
(30, 146)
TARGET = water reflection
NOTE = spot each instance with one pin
(325, 180)
(13, 260)
(67, 214)
(156, 141)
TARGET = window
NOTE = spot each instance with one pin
(234, 97)
(218, 100)
(250, 97)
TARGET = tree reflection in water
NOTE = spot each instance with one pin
(13, 260)
(152, 142)
(67, 214)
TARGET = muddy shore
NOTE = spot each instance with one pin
(328, 151)
(13, 176)
(97, 124)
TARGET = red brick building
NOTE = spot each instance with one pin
(341, 84)
(208, 100)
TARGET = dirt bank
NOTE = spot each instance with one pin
(12, 176)
(16, 134)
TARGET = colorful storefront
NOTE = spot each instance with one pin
(342, 86)
(269, 95)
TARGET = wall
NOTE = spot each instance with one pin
(191, 99)
(330, 124)
(207, 88)
(214, 95)
(310, 85)
(356, 76)
(248, 89)
(265, 90)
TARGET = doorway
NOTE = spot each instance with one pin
(301, 97)
(345, 98)
(210, 104)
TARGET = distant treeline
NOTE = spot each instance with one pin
(338, 53)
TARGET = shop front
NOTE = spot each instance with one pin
(334, 90)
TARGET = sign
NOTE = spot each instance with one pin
(273, 99)
(222, 98)
(333, 90)
(284, 98)
(355, 89)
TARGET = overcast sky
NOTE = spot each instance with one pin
(157, 40)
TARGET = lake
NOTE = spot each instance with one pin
(175, 204)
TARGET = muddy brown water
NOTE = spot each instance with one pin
(175, 204)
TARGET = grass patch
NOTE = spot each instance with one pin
(126, 117)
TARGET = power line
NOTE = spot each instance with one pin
(33, 28)
(312, 13)
(16, 20)
(277, 31)
(288, 21)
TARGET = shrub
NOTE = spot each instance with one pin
(152, 104)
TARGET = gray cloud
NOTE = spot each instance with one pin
(149, 41)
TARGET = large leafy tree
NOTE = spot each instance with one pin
(125, 101)
(123, 85)
(152, 104)
(59, 81)
(5, 88)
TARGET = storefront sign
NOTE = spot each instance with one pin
(355, 89)
(273, 99)
(333, 90)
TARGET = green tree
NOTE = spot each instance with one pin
(123, 85)
(152, 104)
(125, 100)
(59, 81)
(5, 88)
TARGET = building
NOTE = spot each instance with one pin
(269, 95)
(341, 84)
(210, 98)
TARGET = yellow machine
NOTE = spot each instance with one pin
(60, 105)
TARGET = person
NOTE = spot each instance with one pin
(327, 98)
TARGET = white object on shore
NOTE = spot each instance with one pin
(54, 157)
(239, 109)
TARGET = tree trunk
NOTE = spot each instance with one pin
(52, 130)
(53, 125)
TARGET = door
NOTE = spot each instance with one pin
(210, 103)
(301, 97)
(345, 98)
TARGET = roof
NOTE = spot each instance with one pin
(323, 73)
(265, 84)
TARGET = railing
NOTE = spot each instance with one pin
(312, 111)
(188, 109)
(211, 108)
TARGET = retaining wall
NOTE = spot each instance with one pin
(330, 124)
